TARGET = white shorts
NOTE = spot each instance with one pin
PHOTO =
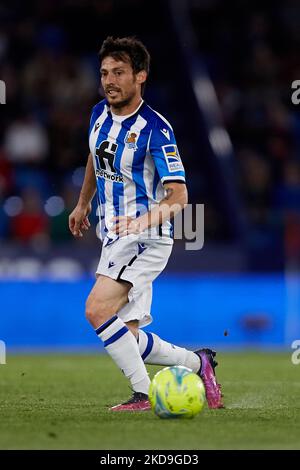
(138, 261)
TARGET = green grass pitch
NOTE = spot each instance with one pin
(60, 402)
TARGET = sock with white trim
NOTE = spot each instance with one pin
(121, 345)
(155, 350)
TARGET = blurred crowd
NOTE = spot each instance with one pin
(48, 59)
(252, 53)
(49, 62)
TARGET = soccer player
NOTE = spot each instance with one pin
(135, 169)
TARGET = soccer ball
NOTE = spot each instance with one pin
(176, 392)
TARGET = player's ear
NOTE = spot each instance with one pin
(141, 76)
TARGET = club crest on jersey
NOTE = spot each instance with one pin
(172, 157)
(130, 140)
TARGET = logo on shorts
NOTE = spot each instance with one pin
(172, 157)
(109, 241)
(130, 140)
(111, 264)
(141, 248)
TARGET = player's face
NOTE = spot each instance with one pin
(121, 86)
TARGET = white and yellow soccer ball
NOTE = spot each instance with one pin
(176, 392)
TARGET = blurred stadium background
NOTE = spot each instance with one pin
(221, 73)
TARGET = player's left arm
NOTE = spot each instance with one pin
(175, 200)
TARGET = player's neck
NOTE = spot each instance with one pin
(129, 108)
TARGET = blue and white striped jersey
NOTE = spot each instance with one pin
(133, 156)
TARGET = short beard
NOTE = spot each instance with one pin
(121, 104)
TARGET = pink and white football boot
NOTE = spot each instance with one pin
(207, 374)
(138, 402)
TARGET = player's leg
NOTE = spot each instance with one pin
(152, 348)
(106, 298)
(155, 350)
(121, 261)
(142, 272)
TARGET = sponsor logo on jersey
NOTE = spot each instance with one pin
(96, 126)
(166, 133)
(172, 157)
(109, 176)
(130, 140)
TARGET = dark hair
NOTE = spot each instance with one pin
(127, 48)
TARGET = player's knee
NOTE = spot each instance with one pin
(98, 311)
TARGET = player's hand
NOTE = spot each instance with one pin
(124, 225)
(78, 220)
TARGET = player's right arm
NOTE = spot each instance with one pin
(78, 219)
